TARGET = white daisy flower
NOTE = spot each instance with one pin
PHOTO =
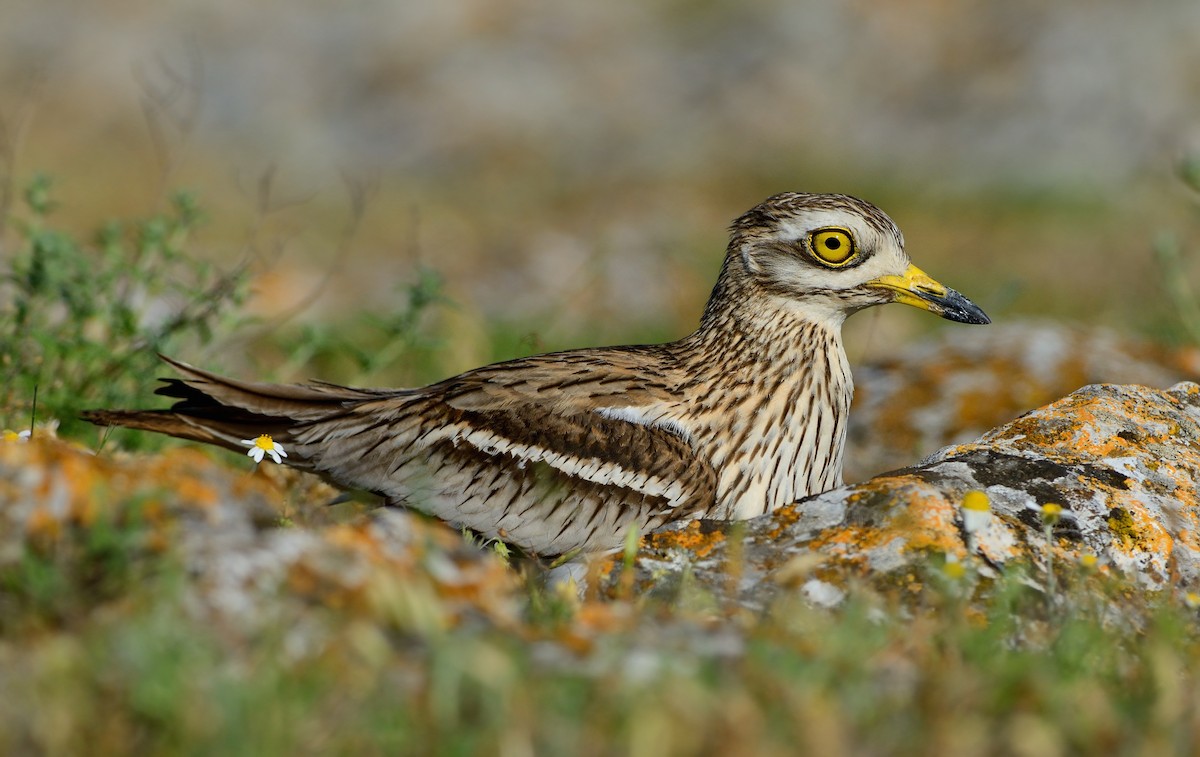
(1051, 513)
(262, 446)
(976, 511)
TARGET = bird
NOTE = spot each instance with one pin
(567, 453)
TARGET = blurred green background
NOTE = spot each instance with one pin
(569, 168)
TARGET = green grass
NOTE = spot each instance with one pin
(82, 319)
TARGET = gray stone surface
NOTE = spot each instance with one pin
(1121, 461)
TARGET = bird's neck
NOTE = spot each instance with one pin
(755, 327)
(776, 390)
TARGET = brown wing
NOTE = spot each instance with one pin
(550, 403)
(526, 437)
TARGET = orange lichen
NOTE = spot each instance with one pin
(844, 535)
(1187, 538)
(928, 524)
(691, 538)
(603, 567)
(783, 518)
(920, 517)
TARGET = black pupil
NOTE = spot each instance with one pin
(832, 243)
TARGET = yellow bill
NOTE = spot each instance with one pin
(917, 288)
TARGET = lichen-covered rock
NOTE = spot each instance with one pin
(954, 388)
(1118, 466)
(248, 565)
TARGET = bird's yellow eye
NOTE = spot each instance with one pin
(832, 246)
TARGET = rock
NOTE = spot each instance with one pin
(248, 564)
(954, 388)
(1121, 461)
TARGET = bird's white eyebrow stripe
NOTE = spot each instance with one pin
(641, 417)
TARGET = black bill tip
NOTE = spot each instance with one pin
(954, 307)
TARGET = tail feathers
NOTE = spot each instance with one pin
(202, 392)
(226, 434)
(223, 411)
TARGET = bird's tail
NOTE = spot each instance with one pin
(223, 411)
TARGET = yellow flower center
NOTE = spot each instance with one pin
(954, 569)
(976, 500)
(1051, 513)
(265, 442)
(11, 436)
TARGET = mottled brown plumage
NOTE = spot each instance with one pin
(565, 452)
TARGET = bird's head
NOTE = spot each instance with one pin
(827, 255)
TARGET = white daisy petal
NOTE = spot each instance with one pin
(975, 520)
